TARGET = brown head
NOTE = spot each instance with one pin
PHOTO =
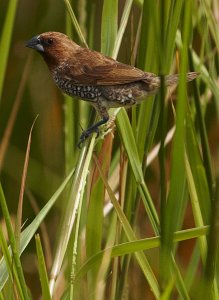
(55, 47)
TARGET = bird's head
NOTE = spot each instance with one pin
(53, 46)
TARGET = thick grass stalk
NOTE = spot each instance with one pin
(177, 170)
(76, 192)
(75, 248)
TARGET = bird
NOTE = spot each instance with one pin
(91, 76)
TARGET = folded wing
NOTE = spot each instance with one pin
(102, 70)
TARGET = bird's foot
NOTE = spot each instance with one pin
(90, 130)
(85, 135)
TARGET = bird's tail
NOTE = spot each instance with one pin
(173, 79)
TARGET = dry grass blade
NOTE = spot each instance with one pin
(23, 181)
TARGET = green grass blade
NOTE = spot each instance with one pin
(75, 248)
(173, 23)
(9, 264)
(42, 269)
(198, 171)
(28, 233)
(177, 181)
(109, 26)
(76, 191)
(203, 134)
(75, 22)
(141, 258)
(6, 40)
(132, 152)
(193, 264)
(210, 274)
(140, 245)
(13, 244)
(148, 56)
(212, 23)
(122, 26)
(207, 286)
(196, 207)
(70, 126)
(129, 144)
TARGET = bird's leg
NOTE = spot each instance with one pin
(95, 128)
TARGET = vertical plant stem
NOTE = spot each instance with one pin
(75, 246)
(6, 40)
(203, 134)
(13, 243)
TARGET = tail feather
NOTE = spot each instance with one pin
(173, 79)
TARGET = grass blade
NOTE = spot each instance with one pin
(29, 232)
(6, 40)
(42, 269)
(145, 266)
(13, 244)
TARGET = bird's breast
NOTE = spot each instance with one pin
(86, 92)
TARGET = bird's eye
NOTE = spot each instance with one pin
(50, 41)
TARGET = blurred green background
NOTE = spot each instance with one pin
(28, 91)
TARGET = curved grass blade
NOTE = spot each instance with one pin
(129, 143)
(140, 245)
(28, 233)
(76, 192)
(12, 239)
(141, 258)
(75, 22)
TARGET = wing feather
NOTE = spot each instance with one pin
(98, 69)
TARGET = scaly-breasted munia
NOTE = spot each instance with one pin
(94, 77)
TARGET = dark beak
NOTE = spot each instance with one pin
(35, 43)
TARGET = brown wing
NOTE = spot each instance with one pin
(91, 67)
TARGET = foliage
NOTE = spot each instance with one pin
(134, 213)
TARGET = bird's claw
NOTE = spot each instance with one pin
(85, 135)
